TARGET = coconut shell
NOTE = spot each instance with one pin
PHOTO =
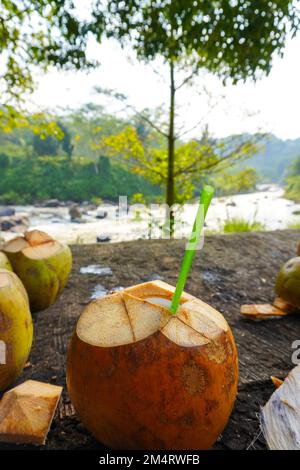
(43, 267)
(142, 378)
(26, 412)
(16, 328)
(4, 262)
(288, 282)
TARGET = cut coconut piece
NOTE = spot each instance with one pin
(44, 251)
(105, 323)
(182, 335)
(145, 318)
(123, 318)
(280, 417)
(37, 237)
(34, 245)
(262, 311)
(26, 412)
(15, 245)
(203, 318)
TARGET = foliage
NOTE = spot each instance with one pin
(40, 33)
(4, 160)
(234, 225)
(42, 124)
(66, 142)
(86, 124)
(51, 144)
(293, 181)
(26, 181)
(234, 183)
(274, 157)
(295, 225)
(235, 38)
(194, 160)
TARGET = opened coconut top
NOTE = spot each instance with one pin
(34, 244)
(140, 311)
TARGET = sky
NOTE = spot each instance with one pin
(272, 104)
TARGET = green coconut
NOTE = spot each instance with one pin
(4, 262)
(288, 282)
(43, 265)
(16, 328)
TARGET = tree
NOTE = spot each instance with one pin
(193, 160)
(45, 146)
(234, 183)
(293, 181)
(36, 33)
(234, 39)
(66, 142)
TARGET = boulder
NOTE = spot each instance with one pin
(75, 213)
(7, 212)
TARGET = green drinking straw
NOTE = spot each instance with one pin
(205, 200)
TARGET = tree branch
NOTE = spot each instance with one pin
(188, 78)
(146, 119)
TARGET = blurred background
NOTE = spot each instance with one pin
(149, 100)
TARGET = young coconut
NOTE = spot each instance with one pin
(287, 284)
(287, 289)
(4, 262)
(43, 265)
(15, 328)
(142, 378)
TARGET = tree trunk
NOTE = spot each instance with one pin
(170, 190)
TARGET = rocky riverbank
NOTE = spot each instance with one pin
(87, 223)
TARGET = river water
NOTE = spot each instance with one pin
(267, 206)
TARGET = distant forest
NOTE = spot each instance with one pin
(68, 163)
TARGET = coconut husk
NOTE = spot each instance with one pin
(27, 411)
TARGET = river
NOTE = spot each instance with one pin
(267, 206)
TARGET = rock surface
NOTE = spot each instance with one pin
(230, 270)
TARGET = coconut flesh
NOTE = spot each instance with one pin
(280, 417)
(142, 378)
(15, 328)
(43, 265)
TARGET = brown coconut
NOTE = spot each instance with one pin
(142, 378)
(43, 265)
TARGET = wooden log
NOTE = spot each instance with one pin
(26, 412)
